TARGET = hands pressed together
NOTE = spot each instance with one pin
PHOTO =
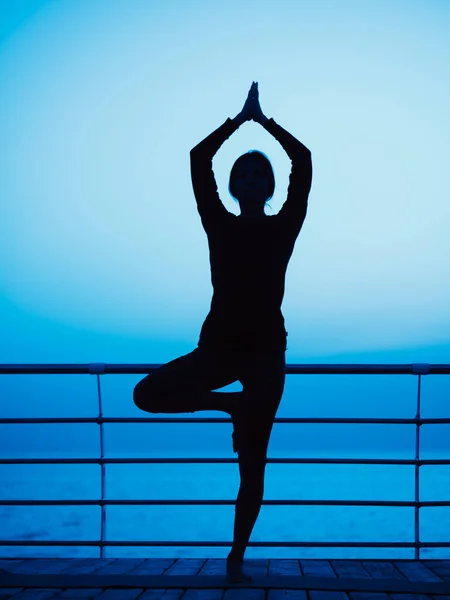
(252, 109)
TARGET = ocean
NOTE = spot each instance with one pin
(215, 523)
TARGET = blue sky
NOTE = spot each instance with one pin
(102, 252)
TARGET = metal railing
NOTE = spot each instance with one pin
(99, 369)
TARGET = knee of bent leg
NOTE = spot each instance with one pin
(139, 394)
(145, 397)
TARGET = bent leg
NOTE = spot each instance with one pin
(185, 384)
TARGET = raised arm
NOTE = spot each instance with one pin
(209, 205)
(293, 211)
(296, 204)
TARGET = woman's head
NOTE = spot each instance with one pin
(252, 182)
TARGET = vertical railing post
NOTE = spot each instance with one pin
(98, 369)
(418, 369)
(417, 477)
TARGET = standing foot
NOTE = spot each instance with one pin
(235, 574)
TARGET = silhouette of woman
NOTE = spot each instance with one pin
(243, 337)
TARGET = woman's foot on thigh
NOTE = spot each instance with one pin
(236, 411)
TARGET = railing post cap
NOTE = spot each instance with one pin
(420, 368)
(97, 368)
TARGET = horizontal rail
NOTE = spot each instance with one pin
(294, 461)
(216, 544)
(350, 420)
(402, 503)
(290, 369)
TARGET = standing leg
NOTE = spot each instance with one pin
(263, 389)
